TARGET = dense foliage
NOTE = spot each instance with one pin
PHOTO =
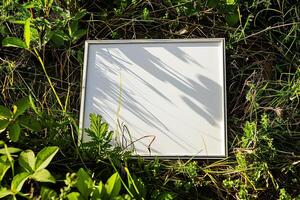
(40, 71)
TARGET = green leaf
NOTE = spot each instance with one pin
(27, 32)
(75, 196)
(103, 129)
(18, 182)
(8, 154)
(10, 150)
(27, 160)
(31, 4)
(131, 183)
(4, 166)
(58, 37)
(113, 185)
(73, 27)
(34, 36)
(232, 19)
(100, 192)
(32, 104)
(135, 185)
(21, 106)
(78, 34)
(3, 124)
(13, 42)
(49, 3)
(4, 113)
(43, 175)
(95, 124)
(79, 15)
(230, 2)
(44, 2)
(84, 183)
(14, 132)
(4, 192)
(30, 123)
(44, 157)
(47, 36)
(48, 194)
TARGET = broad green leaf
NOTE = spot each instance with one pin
(3, 124)
(230, 2)
(14, 132)
(75, 196)
(232, 19)
(113, 185)
(10, 150)
(30, 123)
(4, 166)
(43, 175)
(4, 113)
(13, 42)
(48, 194)
(44, 157)
(27, 32)
(84, 183)
(21, 106)
(27, 160)
(4, 192)
(78, 34)
(18, 182)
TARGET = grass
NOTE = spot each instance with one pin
(263, 88)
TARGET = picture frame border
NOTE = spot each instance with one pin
(154, 41)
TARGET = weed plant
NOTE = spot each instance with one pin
(42, 57)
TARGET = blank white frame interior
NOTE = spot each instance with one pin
(169, 94)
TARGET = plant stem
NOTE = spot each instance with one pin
(48, 78)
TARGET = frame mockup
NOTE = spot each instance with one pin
(163, 98)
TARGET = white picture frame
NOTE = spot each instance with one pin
(170, 94)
